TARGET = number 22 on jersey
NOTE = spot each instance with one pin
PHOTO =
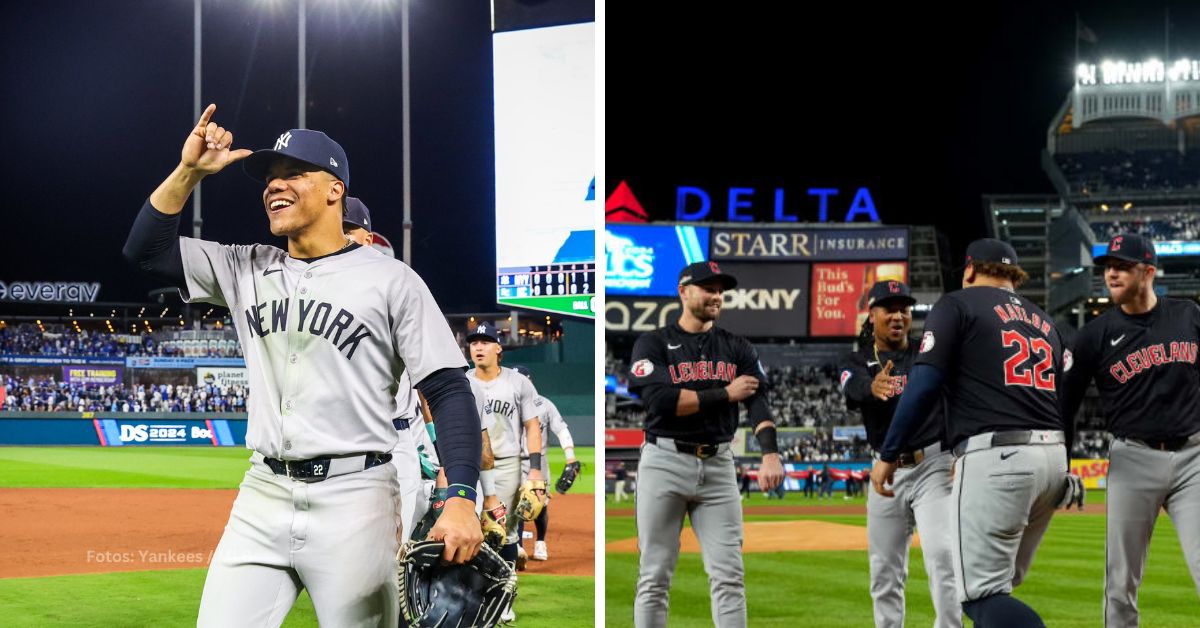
(1016, 369)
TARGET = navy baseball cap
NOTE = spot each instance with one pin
(484, 331)
(701, 272)
(990, 251)
(884, 292)
(311, 147)
(524, 370)
(357, 213)
(1130, 247)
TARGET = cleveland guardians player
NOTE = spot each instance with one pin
(872, 380)
(691, 376)
(996, 357)
(510, 397)
(1142, 355)
(551, 421)
(327, 328)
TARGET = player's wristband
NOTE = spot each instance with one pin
(432, 432)
(535, 461)
(462, 490)
(768, 440)
(570, 452)
(712, 396)
(487, 480)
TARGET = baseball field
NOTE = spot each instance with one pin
(806, 565)
(122, 537)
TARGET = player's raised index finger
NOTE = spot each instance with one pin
(207, 115)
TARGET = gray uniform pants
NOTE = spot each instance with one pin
(336, 538)
(1142, 480)
(671, 485)
(508, 488)
(1002, 500)
(922, 500)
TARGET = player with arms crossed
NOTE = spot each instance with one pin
(996, 357)
(1142, 355)
(872, 380)
(326, 327)
(691, 376)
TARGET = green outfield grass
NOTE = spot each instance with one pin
(797, 498)
(586, 482)
(1065, 585)
(172, 598)
(170, 467)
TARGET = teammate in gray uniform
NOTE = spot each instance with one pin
(326, 328)
(691, 376)
(510, 397)
(551, 421)
(1142, 355)
(873, 380)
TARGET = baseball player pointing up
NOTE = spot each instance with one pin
(1142, 355)
(996, 357)
(327, 327)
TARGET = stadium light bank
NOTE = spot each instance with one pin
(1136, 73)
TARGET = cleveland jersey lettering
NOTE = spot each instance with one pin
(672, 357)
(859, 371)
(1145, 368)
(702, 371)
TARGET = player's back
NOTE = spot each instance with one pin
(1001, 356)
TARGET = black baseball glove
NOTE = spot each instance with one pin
(437, 594)
(1073, 493)
(567, 479)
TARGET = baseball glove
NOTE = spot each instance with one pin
(433, 593)
(533, 498)
(1073, 493)
(567, 479)
(492, 522)
(437, 501)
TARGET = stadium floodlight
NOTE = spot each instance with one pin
(1104, 206)
(1128, 206)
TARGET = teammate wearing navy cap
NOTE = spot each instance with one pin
(1142, 355)
(511, 399)
(691, 376)
(356, 222)
(873, 379)
(996, 357)
(321, 325)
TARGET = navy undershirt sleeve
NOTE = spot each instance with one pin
(920, 395)
(452, 405)
(153, 245)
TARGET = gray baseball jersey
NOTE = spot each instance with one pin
(510, 399)
(551, 421)
(324, 342)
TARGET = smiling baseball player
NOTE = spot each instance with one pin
(327, 327)
(873, 381)
(1142, 355)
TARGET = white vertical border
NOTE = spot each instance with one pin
(601, 197)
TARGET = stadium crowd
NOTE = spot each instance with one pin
(52, 395)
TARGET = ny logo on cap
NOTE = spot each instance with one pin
(715, 269)
(283, 140)
(332, 162)
(481, 329)
(1116, 244)
(893, 287)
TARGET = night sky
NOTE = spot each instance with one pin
(98, 100)
(929, 109)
